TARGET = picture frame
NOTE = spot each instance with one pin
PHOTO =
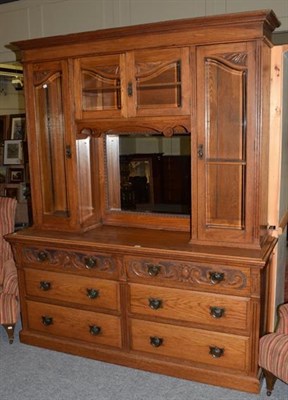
(13, 152)
(3, 129)
(3, 174)
(18, 127)
(16, 175)
(11, 192)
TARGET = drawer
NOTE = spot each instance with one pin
(195, 345)
(91, 292)
(90, 263)
(215, 278)
(218, 311)
(71, 323)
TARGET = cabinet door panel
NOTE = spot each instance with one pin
(226, 125)
(161, 81)
(133, 83)
(99, 86)
(49, 142)
(225, 202)
(49, 115)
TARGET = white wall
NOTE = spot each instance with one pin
(25, 19)
(11, 100)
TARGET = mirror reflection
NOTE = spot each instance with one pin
(154, 173)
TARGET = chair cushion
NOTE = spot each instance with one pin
(273, 355)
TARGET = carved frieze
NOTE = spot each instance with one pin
(189, 274)
(70, 260)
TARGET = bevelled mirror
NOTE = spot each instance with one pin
(148, 173)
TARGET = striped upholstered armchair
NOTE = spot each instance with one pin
(9, 301)
(273, 352)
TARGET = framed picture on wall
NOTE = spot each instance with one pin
(16, 175)
(3, 129)
(18, 128)
(13, 152)
(11, 192)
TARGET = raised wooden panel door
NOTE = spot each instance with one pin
(225, 74)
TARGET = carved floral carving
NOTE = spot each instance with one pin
(188, 273)
(68, 259)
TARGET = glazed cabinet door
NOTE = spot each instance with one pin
(50, 144)
(226, 125)
(98, 86)
(135, 83)
(160, 82)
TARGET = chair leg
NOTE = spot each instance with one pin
(9, 328)
(270, 381)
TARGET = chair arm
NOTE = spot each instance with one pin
(283, 319)
(10, 280)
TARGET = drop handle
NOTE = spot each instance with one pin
(46, 321)
(94, 330)
(42, 256)
(217, 312)
(200, 151)
(156, 341)
(216, 352)
(92, 293)
(90, 262)
(45, 285)
(216, 277)
(153, 270)
(155, 304)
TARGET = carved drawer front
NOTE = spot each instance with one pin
(202, 308)
(220, 279)
(72, 288)
(93, 264)
(199, 346)
(76, 324)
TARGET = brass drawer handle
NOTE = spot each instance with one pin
(216, 277)
(42, 256)
(217, 312)
(92, 293)
(94, 330)
(156, 341)
(47, 320)
(45, 285)
(90, 262)
(153, 270)
(216, 352)
(155, 304)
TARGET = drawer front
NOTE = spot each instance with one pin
(199, 346)
(220, 279)
(217, 311)
(91, 264)
(92, 292)
(76, 324)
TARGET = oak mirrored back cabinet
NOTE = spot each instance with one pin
(148, 149)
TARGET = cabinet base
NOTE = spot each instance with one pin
(166, 367)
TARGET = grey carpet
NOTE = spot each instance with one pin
(31, 373)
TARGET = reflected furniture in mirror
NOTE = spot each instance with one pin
(150, 245)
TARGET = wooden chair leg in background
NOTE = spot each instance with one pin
(270, 381)
(9, 328)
